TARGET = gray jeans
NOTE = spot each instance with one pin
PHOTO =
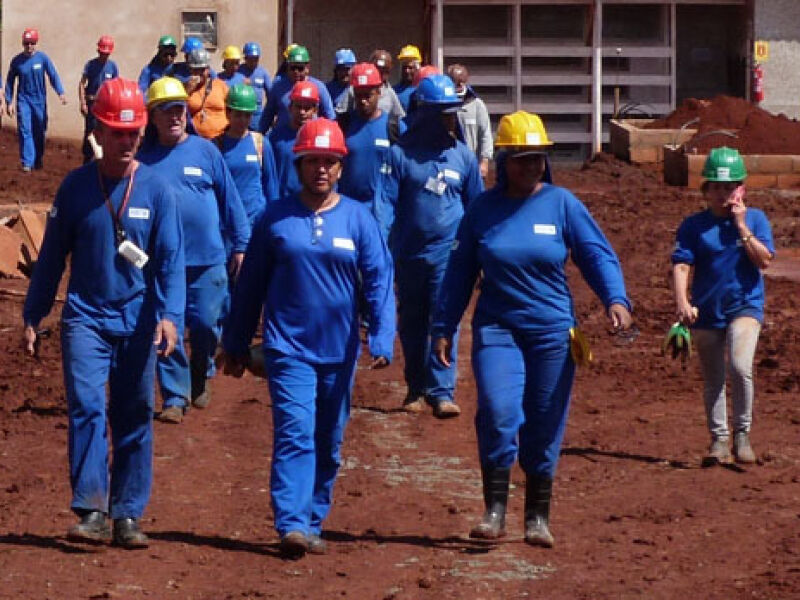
(740, 339)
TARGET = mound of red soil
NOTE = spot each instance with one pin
(756, 130)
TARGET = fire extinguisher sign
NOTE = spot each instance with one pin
(761, 51)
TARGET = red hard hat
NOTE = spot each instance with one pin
(365, 75)
(105, 45)
(424, 72)
(30, 35)
(320, 136)
(120, 105)
(304, 90)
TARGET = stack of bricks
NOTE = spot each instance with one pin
(630, 142)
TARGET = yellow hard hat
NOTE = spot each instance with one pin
(289, 48)
(409, 52)
(232, 53)
(166, 89)
(521, 129)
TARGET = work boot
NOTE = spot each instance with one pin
(414, 403)
(294, 544)
(742, 449)
(495, 498)
(171, 414)
(718, 453)
(201, 390)
(128, 535)
(316, 545)
(538, 491)
(92, 527)
(203, 399)
(446, 409)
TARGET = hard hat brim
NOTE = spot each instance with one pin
(166, 104)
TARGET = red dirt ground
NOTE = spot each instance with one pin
(634, 515)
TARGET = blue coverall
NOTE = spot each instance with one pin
(211, 213)
(96, 71)
(520, 329)
(278, 103)
(433, 177)
(281, 138)
(303, 271)
(107, 327)
(31, 102)
(260, 81)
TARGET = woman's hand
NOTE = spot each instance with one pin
(620, 317)
(687, 314)
(736, 206)
(443, 348)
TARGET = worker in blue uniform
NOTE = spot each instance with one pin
(231, 59)
(117, 222)
(519, 235)
(433, 177)
(257, 77)
(410, 62)
(303, 105)
(95, 72)
(297, 69)
(308, 260)
(28, 70)
(161, 65)
(369, 135)
(213, 217)
(344, 59)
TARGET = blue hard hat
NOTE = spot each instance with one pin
(345, 56)
(191, 43)
(251, 49)
(438, 89)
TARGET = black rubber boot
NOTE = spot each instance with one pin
(538, 491)
(495, 498)
(201, 390)
(93, 527)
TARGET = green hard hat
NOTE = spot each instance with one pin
(724, 164)
(167, 40)
(298, 54)
(241, 97)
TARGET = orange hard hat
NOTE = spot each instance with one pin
(320, 136)
(120, 105)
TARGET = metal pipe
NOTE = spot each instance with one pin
(289, 21)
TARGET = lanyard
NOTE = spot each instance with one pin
(116, 217)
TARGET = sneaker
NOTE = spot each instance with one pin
(92, 527)
(742, 449)
(718, 453)
(316, 545)
(172, 415)
(446, 409)
(128, 535)
(414, 403)
(294, 544)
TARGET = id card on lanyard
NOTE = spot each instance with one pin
(125, 248)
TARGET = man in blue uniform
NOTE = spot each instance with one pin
(277, 110)
(95, 72)
(410, 62)
(368, 135)
(309, 258)
(118, 224)
(257, 77)
(231, 59)
(161, 64)
(213, 218)
(433, 177)
(344, 61)
(30, 67)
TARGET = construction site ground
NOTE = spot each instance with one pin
(634, 513)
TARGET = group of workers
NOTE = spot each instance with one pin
(210, 211)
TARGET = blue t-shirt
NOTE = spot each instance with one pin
(726, 284)
(104, 288)
(31, 71)
(281, 138)
(522, 246)
(209, 204)
(304, 271)
(96, 72)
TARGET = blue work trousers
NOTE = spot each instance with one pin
(524, 381)
(310, 409)
(31, 125)
(206, 290)
(418, 284)
(91, 359)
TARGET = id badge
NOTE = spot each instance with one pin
(435, 185)
(133, 254)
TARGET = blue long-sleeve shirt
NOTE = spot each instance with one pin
(367, 165)
(278, 103)
(522, 246)
(403, 92)
(29, 72)
(726, 284)
(96, 72)
(261, 83)
(231, 81)
(152, 71)
(336, 89)
(281, 138)
(433, 177)
(104, 288)
(303, 271)
(209, 204)
(255, 177)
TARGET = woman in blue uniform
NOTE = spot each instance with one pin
(309, 257)
(728, 245)
(519, 235)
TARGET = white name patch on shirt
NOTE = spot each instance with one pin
(37, 66)
(470, 121)
(539, 229)
(259, 80)
(344, 243)
(252, 158)
(139, 213)
(196, 171)
(450, 174)
(382, 143)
